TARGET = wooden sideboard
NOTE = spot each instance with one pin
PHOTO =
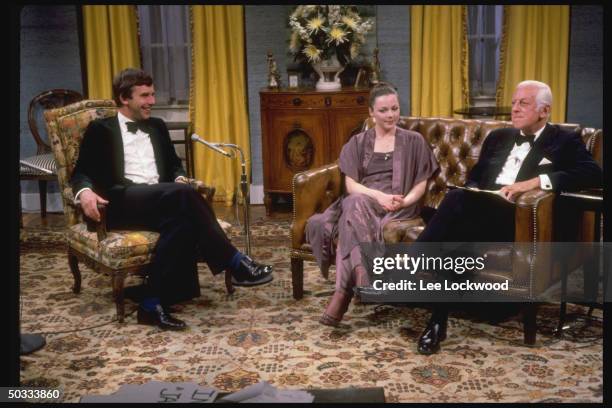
(303, 129)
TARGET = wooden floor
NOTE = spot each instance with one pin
(281, 212)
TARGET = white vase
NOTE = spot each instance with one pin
(329, 71)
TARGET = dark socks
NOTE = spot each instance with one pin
(149, 304)
(235, 261)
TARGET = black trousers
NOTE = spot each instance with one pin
(465, 216)
(188, 230)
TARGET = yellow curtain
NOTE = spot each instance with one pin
(535, 45)
(439, 58)
(218, 100)
(111, 44)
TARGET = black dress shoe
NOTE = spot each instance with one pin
(159, 317)
(250, 273)
(138, 293)
(435, 332)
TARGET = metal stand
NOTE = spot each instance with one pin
(244, 188)
(244, 185)
(586, 201)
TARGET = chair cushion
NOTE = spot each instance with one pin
(41, 161)
(121, 248)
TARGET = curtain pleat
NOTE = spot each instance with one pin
(439, 58)
(218, 101)
(535, 45)
(111, 45)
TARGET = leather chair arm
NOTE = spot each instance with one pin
(534, 216)
(533, 225)
(313, 191)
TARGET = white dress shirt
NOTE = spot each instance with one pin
(138, 153)
(514, 162)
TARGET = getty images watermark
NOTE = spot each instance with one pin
(485, 271)
(411, 264)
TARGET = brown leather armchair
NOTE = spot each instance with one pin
(456, 144)
(116, 253)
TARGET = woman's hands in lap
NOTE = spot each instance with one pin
(390, 202)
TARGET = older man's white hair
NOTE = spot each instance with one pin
(544, 95)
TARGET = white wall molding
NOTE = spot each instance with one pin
(257, 194)
(30, 202)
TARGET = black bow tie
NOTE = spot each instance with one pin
(133, 127)
(520, 139)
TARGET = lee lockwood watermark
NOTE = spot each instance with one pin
(485, 271)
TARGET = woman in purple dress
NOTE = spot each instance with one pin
(385, 169)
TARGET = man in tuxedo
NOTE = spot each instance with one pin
(129, 164)
(533, 154)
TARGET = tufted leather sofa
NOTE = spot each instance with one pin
(456, 144)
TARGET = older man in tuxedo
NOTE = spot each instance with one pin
(533, 154)
(128, 163)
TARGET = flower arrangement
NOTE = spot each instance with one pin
(319, 31)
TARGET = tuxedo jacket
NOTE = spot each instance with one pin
(101, 162)
(559, 153)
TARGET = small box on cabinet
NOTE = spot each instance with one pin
(293, 79)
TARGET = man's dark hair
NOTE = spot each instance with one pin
(381, 89)
(126, 79)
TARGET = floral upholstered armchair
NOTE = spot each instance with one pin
(116, 253)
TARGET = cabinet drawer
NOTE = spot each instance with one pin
(284, 101)
(352, 100)
(318, 100)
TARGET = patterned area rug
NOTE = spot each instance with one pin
(262, 333)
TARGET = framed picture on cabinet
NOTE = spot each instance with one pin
(294, 81)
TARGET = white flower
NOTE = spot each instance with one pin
(344, 32)
(337, 35)
(312, 53)
(315, 24)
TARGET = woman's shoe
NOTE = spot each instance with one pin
(327, 320)
(337, 307)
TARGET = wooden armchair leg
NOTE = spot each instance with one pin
(297, 277)
(118, 295)
(228, 282)
(73, 262)
(42, 191)
(529, 323)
